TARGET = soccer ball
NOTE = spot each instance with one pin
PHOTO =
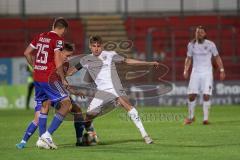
(42, 145)
(89, 139)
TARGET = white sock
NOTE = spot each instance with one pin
(22, 141)
(191, 109)
(47, 134)
(133, 114)
(206, 106)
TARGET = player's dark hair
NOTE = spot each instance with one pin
(95, 39)
(199, 27)
(68, 46)
(60, 23)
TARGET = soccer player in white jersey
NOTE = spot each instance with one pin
(200, 52)
(101, 67)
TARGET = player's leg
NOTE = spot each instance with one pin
(31, 127)
(133, 114)
(206, 107)
(30, 89)
(43, 124)
(40, 96)
(207, 84)
(93, 111)
(65, 107)
(193, 91)
(78, 122)
(43, 117)
(191, 108)
(55, 94)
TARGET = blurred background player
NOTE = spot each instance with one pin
(76, 111)
(30, 85)
(200, 52)
(48, 47)
(101, 67)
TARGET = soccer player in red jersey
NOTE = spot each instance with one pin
(44, 54)
(76, 110)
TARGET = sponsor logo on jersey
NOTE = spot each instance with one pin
(38, 67)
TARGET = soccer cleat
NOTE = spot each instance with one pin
(205, 122)
(47, 138)
(79, 142)
(41, 144)
(188, 121)
(148, 140)
(21, 145)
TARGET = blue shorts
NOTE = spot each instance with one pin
(54, 92)
(38, 105)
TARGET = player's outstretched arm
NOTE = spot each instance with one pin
(138, 62)
(188, 62)
(28, 55)
(218, 60)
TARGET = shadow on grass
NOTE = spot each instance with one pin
(110, 144)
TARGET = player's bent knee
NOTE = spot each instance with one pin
(66, 103)
(45, 106)
(76, 108)
(206, 97)
(192, 97)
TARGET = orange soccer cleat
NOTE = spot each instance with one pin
(206, 122)
(188, 121)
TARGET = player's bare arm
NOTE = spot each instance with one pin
(188, 62)
(59, 62)
(218, 60)
(71, 71)
(138, 62)
(28, 55)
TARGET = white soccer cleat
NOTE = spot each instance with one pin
(148, 140)
(41, 144)
(47, 138)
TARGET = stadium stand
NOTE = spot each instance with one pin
(16, 33)
(181, 28)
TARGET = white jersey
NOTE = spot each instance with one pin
(103, 70)
(202, 55)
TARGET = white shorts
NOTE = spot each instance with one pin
(200, 83)
(103, 98)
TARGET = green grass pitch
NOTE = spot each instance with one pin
(120, 139)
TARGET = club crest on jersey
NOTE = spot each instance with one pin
(59, 44)
(205, 47)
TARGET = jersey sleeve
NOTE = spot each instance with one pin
(33, 43)
(189, 50)
(214, 50)
(58, 44)
(118, 57)
(84, 61)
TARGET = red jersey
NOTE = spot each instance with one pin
(45, 44)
